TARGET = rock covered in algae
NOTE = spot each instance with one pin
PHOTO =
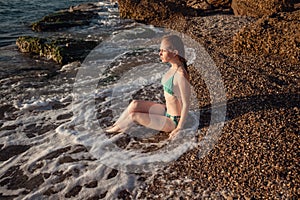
(61, 50)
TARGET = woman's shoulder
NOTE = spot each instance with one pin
(182, 73)
(181, 77)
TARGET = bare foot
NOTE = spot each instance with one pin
(112, 129)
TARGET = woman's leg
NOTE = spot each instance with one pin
(154, 121)
(136, 106)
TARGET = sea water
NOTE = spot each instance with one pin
(65, 109)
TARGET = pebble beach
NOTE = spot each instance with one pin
(257, 154)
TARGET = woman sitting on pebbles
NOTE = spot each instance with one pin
(172, 116)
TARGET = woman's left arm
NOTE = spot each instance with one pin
(184, 94)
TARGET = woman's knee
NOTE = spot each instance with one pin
(133, 116)
(133, 106)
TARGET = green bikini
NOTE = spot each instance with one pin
(168, 87)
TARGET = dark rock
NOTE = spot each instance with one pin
(66, 159)
(275, 36)
(4, 109)
(64, 116)
(256, 8)
(124, 194)
(112, 174)
(14, 178)
(34, 182)
(91, 184)
(74, 191)
(55, 154)
(98, 196)
(12, 150)
(61, 50)
(161, 13)
(154, 11)
(75, 16)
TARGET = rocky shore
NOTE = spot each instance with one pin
(257, 51)
(256, 48)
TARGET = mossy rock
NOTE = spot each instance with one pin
(61, 50)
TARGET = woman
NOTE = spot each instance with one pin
(172, 116)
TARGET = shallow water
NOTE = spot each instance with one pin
(17, 15)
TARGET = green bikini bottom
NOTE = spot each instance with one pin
(175, 119)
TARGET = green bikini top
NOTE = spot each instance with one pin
(168, 85)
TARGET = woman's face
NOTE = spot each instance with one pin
(165, 52)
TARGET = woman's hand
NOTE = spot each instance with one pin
(174, 133)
